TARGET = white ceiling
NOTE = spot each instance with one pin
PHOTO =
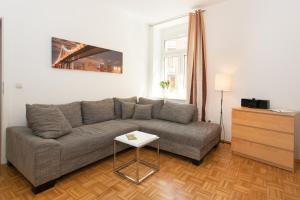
(153, 11)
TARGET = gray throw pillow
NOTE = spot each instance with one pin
(127, 109)
(118, 106)
(72, 111)
(156, 105)
(142, 112)
(97, 111)
(28, 111)
(47, 122)
(175, 112)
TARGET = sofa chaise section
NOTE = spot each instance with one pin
(192, 140)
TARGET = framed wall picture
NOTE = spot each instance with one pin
(78, 56)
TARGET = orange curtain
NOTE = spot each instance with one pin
(196, 63)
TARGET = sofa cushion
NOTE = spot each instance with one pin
(29, 110)
(118, 106)
(89, 138)
(176, 112)
(97, 111)
(127, 109)
(156, 105)
(72, 112)
(47, 122)
(196, 134)
(142, 112)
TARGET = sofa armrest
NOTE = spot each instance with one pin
(36, 158)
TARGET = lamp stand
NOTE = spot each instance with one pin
(221, 117)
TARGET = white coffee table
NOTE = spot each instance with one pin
(142, 140)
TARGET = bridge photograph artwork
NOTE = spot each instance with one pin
(77, 56)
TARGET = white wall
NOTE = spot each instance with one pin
(27, 30)
(258, 42)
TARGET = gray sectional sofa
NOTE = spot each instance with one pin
(44, 150)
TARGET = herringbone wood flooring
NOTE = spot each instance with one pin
(221, 176)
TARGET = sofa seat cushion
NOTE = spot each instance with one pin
(89, 138)
(196, 134)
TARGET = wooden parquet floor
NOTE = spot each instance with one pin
(221, 176)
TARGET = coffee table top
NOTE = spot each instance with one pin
(142, 139)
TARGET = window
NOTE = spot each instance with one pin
(174, 66)
(169, 58)
(176, 44)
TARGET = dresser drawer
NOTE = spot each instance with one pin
(265, 121)
(270, 155)
(264, 136)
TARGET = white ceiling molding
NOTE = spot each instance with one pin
(153, 11)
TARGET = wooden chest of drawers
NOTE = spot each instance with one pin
(265, 136)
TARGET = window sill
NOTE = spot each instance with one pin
(172, 99)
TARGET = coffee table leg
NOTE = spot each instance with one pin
(115, 156)
(158, 159)
(137, 165)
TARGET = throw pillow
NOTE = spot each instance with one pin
(72, 112)
(156, 105)
(142, 112)
(175, 112)
(28, 111)
(127, 109)
(118, 105)
(97, 111)
(47, 122)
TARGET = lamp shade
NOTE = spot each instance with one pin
(223, 82)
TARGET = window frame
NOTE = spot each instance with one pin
(182, 53)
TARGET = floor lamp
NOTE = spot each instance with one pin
(222, 84)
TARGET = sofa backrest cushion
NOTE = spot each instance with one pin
(97, 111)
(118, 106)
(156, 105)
(175, 112)
(72, 112)
(143, 112)
(47, 121)
(127, 109)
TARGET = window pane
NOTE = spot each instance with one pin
(175, 72)
(172, 65)
(176, 44)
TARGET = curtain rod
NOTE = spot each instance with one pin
(171, 19)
